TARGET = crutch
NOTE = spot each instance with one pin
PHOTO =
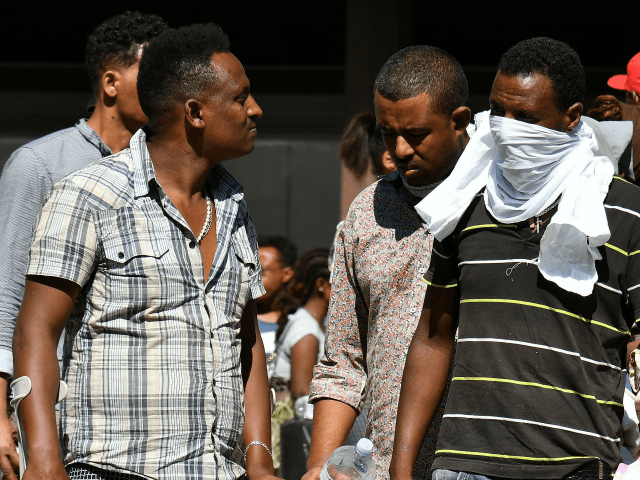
(21, 387)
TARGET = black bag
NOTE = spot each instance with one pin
(295, 441)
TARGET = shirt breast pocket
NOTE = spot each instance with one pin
(133, 243)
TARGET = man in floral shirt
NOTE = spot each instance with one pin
(377, 291)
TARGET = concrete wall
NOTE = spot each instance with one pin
(293, 188)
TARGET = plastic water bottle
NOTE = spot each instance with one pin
(350, 463)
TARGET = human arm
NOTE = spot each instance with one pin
(257, 423)
(339, 380)
(332, 422)
(424, 379)
(62, 259)
(46, 306)
(9, 462)
(304, 355)
(23, 185)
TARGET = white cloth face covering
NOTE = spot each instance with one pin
(526, 168)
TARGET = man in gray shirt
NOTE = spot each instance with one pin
(112, 56)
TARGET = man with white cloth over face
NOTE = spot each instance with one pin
(540, 241)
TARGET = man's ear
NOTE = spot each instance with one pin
(193, 113)
(460, 119)
(109, 83)
(635, 97)
(287, 274)
(572, 116)
(387, 163)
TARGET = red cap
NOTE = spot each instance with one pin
(630, 81)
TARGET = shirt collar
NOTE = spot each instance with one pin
(395, 179)
(92, 137)
(390, 177)
(218, 179)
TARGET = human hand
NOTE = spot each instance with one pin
(9, 462)
(312, 474)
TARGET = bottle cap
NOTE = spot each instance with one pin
(364, 447)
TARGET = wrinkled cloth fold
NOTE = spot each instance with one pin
(525, 169)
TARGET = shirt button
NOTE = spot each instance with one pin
(412, 309)
(120, 255)
(192, 244)
(422, 270)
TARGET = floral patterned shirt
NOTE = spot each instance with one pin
(377, 293)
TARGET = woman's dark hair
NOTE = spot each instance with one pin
(312, 265)
(606, 107)
(362, 145)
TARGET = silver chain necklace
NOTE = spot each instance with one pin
(535, 227)
(207, 222)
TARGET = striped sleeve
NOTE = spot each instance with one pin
(633, 281)
(443, 270)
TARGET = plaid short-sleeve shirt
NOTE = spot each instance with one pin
(152, 354)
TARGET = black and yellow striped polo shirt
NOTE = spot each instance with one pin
(539, 372)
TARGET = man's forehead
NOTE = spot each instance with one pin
(227, 65)
(412, 112)
(230, 77)
(527, 87)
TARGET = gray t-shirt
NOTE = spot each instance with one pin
(301, 324)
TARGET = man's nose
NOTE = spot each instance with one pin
(403, 149)
(253, 109)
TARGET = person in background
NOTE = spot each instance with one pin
(377, 292)
(300, 341)
(362, 148)
(112, 57)
(278, 255)
(629, 110)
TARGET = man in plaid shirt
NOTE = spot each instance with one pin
(152, 257)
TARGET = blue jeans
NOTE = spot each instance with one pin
(449, 475)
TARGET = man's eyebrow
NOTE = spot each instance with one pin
(245, 90)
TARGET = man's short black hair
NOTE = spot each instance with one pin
(284, 245)
(117, 41)
(554, 59)
(424, 69)
(176, 66)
